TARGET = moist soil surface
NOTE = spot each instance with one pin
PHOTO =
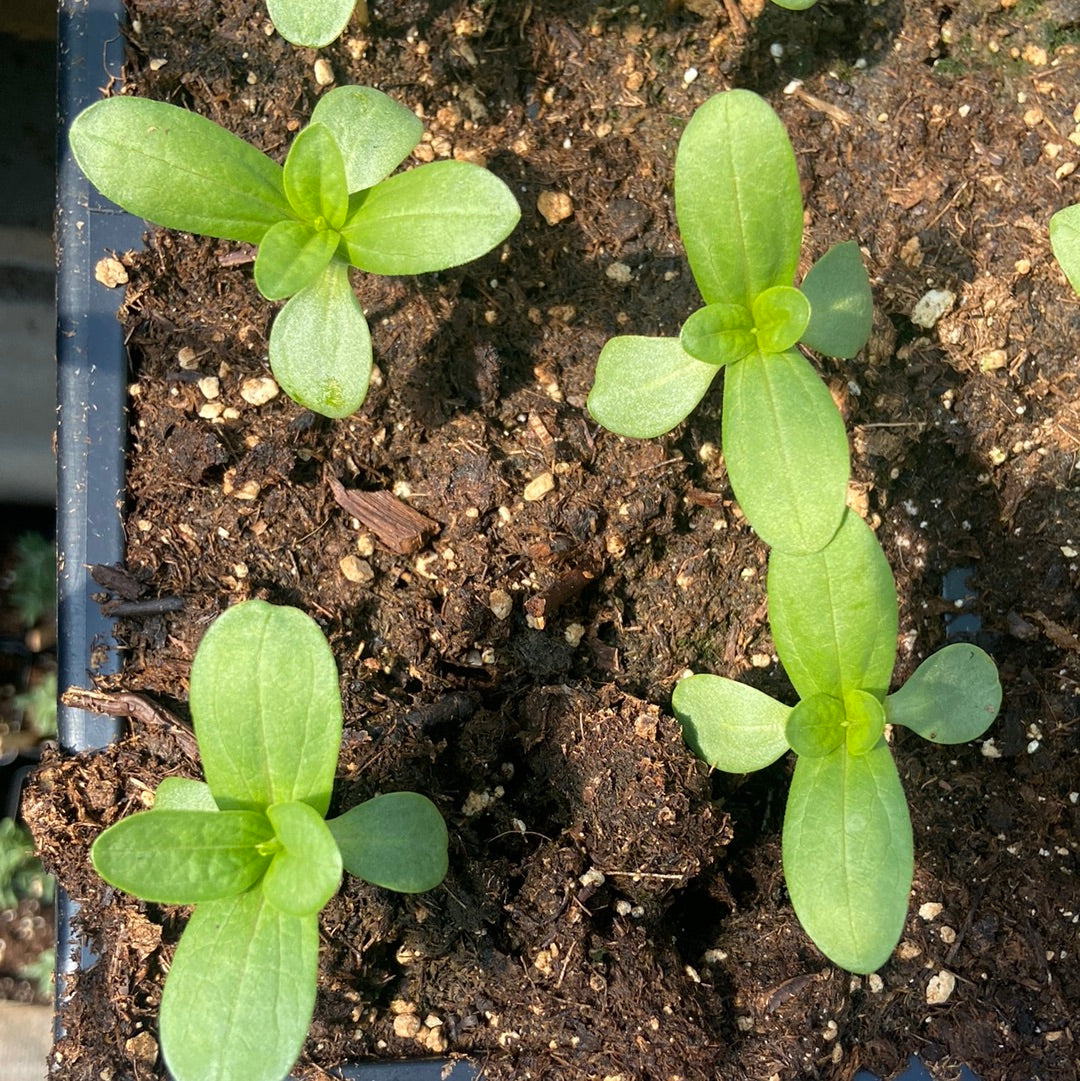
(612, 910)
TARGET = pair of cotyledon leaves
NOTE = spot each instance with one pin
(847, 843)
(332, 205)
(740, 215)
(251, 849)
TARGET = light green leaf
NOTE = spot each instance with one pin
(786, 450)
(397, 840)
(795, 5)
(718, 334)
(848, 855)
(291, 256)
(841, 304)
(833, 614)
(433, 217)
(181, 857)
(864, 721)
(729, 725)
(183, 794)
(306, 870)
(815, 727)
(314, 178)
(952, 697)
(780, 316)
(374, 133)
(312, 23)
(737, 199)
(320, 346)
(266, 708)
(1065, 242)
(645, 386)
(178, 169)
(240, 992)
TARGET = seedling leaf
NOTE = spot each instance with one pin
(786, 450)
(306, 871)
(719, 334)
(737, 199)
(311, 23)
(266, 708)
(433, 217)
(841, 304)
(729, 725)
(397, 840)
(780, 317)
(1065, 242)
(848, 854)
(815, 727)
(952, 697)
(292, 255)
(181, 857)
(178, 169)
(184, 794)
(864, 721)
(374, 133)
(645, 386)
(320, 346)
(240, 992)
(833, 614)
(314, 178)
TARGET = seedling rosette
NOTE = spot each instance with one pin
(250, 847)
(847, 841)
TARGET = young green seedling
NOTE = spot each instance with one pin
(1065, 242)
(740, 214)
(250, 848)
(332, 206)
(847, 841)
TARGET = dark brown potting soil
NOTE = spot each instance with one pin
(612, 911)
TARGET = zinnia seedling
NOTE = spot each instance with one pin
(334, 204)
(847, 841)
(251, 850)
(740, 215)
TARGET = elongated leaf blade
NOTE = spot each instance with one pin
(1065, 242)
(178, 169)
(952, 697)
(841, 304)
(729, 725)
(266, 707)
(306, 872)
(737, 199)
(240, 993)
(374, 133)
(320, 346)
(833, 614)
(314, 177)
(848, 855)
(311, 23)
(180, 857)
(397, 840)
(786, 450)
(719, 334)
(433, 217)
(645, 386)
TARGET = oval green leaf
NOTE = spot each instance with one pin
(178, 169)
(374, 133)
(841, 304)
(864, 721)
(397, 841)
(435, 216)
(815, 727)
(320, 346)
(952, 697)
(645, 386)
(266, 707)
(780, 317)
(786, 450)
(737, 199)
(306, 872)
(311, 23)
(833, 614)
(848, 855)
(291, 256)
(183, 794)
(729, 725)
(314, 178)
(240, 993)
(180, 857)
(718, 334)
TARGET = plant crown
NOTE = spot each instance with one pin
(847, 842)
(332, 205)
(740, 215)
(250, 848)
